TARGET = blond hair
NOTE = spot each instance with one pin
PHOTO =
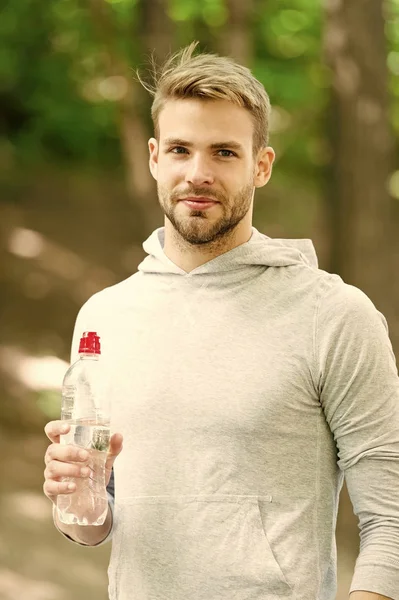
(209, 77)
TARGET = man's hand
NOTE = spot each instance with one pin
(70, 461)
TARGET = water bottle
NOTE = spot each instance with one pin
(85, 408)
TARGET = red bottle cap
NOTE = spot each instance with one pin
(90, 343)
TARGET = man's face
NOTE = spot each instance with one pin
(205, 150)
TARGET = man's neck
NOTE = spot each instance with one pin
(190, 256)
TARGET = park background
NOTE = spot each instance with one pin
(77, 200)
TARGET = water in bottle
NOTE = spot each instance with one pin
(85, 409)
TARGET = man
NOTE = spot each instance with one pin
(246, 381)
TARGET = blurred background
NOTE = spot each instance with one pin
(77, 200)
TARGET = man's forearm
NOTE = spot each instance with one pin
(91, 535)
(367, 596)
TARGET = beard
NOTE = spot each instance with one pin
(197, 227)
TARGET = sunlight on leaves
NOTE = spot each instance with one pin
(320, 75)
(393, 62)
(280, 119)
(25, 243)
(66, 10)
(183, 11)
(49, 403)
(290, 46)
(113, 88)
(393, 185)
(293, 20)
(214, 13)
(127, 3)
(34, 372)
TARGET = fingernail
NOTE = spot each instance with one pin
(71, 486)
(64, 428)
(83, 454)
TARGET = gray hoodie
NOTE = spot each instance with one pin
(245, 390)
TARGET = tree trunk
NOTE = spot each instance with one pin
(132, 128)
(236, 37)
(157, 28)
(359, 206)
(359, 202)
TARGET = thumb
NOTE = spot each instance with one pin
(115, 447)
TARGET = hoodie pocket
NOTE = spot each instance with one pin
(200, 547)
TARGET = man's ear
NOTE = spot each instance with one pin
(153, 148)
(264, 166)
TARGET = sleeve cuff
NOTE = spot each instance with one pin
(104, 541)
(378, 580)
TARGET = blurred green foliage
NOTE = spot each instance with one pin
(49, 403)
(59, 103)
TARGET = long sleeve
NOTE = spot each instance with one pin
(111, 488)
(359, 392)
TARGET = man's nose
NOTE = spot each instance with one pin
(199, 171)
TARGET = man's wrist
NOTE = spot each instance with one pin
(86, 535)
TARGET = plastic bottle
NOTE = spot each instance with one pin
(84, 407)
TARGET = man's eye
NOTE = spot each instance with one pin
(178, 150)
(227, 153)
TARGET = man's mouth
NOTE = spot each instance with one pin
(199, 203)
(198, 199)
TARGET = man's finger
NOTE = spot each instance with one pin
(115, 447)
(54, 429)
(53, 488)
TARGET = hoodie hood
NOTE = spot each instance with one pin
(260, 250)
